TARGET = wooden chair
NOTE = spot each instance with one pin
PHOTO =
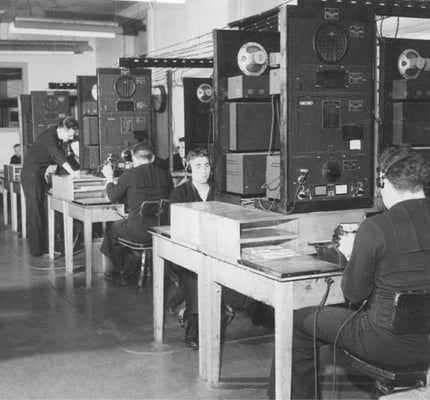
(152, 209)
(411, 315)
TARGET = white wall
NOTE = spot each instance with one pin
(172, 27)
(172, 24)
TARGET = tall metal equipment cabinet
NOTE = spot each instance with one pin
(124, 109)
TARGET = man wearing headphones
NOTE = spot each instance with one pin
(47, 149)
(390, 253)
(144, 182)
(199, 188)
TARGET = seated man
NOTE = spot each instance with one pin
(16, 158)
(144, 181)
(389, 253)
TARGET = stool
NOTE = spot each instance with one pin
(389, 379)
(149, 209)
(142, 248)
(410, 316)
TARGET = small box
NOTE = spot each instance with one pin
(12, 172)
(411, 89)
(84, 187)
(248, 87)
(275, 81)
(273, 176)
(245, 173)
(224, 230)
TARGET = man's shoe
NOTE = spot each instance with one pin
(127, 276)
(192, 332)
(110, 275)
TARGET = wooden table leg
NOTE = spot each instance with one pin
(23, 214)
(13, 209)
(158, 291)
(5, 207)
(213, 326)
(203, 288)
(283, 339)
(88, 238)
(68, 238)
(51, 228)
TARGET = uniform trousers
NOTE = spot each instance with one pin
(117, 253)
(35, 188)
(359, 336)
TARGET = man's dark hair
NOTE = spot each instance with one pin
(16, 145)
(405, 168)
(143, 152)
(192, 154)
(69, 123)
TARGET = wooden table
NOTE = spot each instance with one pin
(15, 190)
(269, 282)
(88, 214)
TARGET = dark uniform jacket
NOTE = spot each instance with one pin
(46, 150)
(145, 182)
(391, 253)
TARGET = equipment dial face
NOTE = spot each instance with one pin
(159, 98)
(94, 91)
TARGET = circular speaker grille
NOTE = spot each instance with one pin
(330, 42)
(125, 86)
(252, 59)
(204, 93)
(50, 103)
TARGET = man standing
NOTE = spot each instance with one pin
(144, 182)
(46, 150)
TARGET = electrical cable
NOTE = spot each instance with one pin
(333, 384)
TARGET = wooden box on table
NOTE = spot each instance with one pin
(84, 187)
(12, 172)
(228, 231)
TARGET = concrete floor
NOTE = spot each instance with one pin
(59, 340)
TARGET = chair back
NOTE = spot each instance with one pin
(411, 313)
(155, 210)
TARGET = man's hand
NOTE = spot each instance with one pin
(50, 170)
(107, 172)
(344, 241)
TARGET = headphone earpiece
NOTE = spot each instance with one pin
(188, 168)
(387, 164)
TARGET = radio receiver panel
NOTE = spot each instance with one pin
(88, 121)
(330, 102)
(124, 108)
(48, 107)
(244, 113)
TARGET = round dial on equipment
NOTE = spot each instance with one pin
(332, 171)
(330, 42)
(159, 98)
(125, 86)
(94, 91)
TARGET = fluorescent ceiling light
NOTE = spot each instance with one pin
(156, 1)
(41, 46)
(63, 27)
